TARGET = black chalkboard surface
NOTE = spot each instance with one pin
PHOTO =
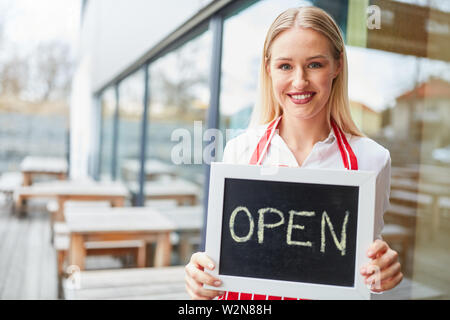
(303, 232)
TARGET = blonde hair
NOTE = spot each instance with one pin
(267, 108)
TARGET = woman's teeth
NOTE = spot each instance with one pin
(301, 96)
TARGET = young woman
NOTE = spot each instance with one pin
(304, 121)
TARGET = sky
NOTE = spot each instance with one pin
(375, 77)
(29, 22)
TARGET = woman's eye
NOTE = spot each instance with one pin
(285, 66)
(314, 65)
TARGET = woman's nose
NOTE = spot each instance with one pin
(300, 80)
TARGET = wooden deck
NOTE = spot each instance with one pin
(28, 268)
(27, 258)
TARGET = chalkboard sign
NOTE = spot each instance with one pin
(310, 228)
(294, 232)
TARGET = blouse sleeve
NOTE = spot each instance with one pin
(229, 152)
(383, 188)
(237, 150)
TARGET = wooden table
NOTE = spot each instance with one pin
(52, 166)
(181, 190)
(118, 224)
(64, 191)
(188, 223)
(154, 168)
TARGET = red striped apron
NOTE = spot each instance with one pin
(350, 163)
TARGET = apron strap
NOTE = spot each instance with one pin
(347, 154)
(264, 142)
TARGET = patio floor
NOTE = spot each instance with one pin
(28, 259)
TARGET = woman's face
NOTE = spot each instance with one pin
(302, 70)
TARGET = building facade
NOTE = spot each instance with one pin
(154, 76)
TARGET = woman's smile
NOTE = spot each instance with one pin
(301, 97)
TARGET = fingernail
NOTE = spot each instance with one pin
(370, 253)
(363, 270)
(217, 283)
(211, 266)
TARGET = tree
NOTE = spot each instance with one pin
(179, 88)
(53, 70)
(14, 76)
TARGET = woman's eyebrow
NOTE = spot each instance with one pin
(319, 56)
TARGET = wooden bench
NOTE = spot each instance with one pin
(61, 244)
(116, 248)
(165, 283)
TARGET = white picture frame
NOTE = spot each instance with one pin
(364, 180)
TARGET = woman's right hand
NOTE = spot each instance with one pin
(196, 277)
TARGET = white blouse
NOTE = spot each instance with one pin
(325, 154)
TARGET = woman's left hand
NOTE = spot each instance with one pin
(383, 272)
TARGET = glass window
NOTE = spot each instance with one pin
(179, 100)
(131, 109)
(27, 133)
(108, 105)
(243, 40)
(399, 84)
